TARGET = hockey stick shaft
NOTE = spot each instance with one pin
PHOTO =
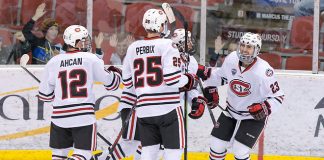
(32, 75)
(113, 146)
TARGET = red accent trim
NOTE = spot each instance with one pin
(215, 156)
(170, 79)
(117, 154)
(73, 110)
(125, 97)
(71, 52)
(43, 98)
(157, 99)
(152, 38)
(248, 67)
(181, 126)
(94, 147)
(127, 84)
(132, 126)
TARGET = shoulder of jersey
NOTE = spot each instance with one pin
(264, 68)
(231, 58)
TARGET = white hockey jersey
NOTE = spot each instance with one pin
(254, 84)
(152, 67)
(192, 68)
(68, 80)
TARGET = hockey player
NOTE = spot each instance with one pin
(67, 81)
(253, 94)
(151, 66)
(130, 143)
(187, 60)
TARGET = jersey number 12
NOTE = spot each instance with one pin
(73, 89)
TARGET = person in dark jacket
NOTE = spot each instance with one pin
(43, 48)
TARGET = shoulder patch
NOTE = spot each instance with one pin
(269, 72)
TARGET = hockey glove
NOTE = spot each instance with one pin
(203, 72)
(115, 69)
(259, 111)
(212, 96)
(197, 107)
(192, 83)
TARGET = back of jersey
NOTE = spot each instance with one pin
(68, 80)
(152, 66)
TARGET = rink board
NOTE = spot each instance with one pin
(296, 130)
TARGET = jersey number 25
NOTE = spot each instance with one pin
(152, 66)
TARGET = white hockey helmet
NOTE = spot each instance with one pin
(250, 39)
(75, 33)
(153, 20)
(178, 38)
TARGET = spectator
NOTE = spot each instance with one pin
(121, 43)
(43, 48)
(19, 48)
(4, 52)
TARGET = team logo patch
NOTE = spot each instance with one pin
(240, 88)
(269, 72)
(77, 29)
(234, 71)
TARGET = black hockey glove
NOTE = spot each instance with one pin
(212, 96)
(259, 111)
(115, 69)
(192, 83)
(197, 107)
(203, 72)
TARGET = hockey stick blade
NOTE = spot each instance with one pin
(169, 12)
(24, 60)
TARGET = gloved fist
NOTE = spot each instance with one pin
(197, 107)
(259, 111)
(114, 69)
(203, 72)
(212, 96)
(192, 83)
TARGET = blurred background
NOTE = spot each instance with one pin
(286, 27)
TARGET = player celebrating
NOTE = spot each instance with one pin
(67, 81)
(198, 103)
(253, 94)
(151, 66)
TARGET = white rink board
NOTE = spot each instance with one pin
(290, 131)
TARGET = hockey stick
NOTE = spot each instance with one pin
(23, 62)
(113, 146)
(209, 109)
(171, 13)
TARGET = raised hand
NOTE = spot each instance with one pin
(40, 11)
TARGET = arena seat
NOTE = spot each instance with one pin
(68, 13)
(297, 43)
(274, 60)
(134, 16)
(7, 36)
(8, 12)
(107, 16)
(299, 63)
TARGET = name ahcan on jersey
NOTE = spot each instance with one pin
(144, 50)
(71, 62)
